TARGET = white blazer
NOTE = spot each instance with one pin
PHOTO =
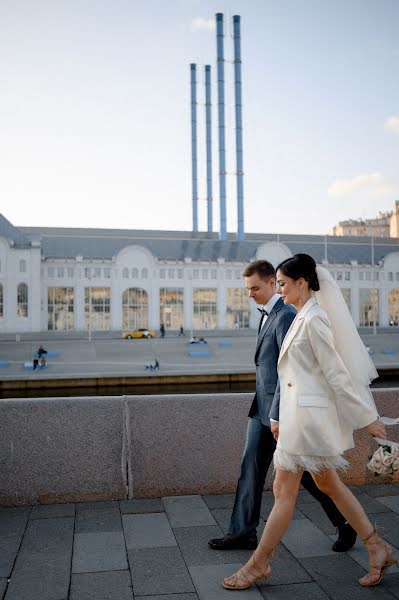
(319, 408)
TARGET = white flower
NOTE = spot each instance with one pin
(376, 460)
(388, 459)
(395, 464)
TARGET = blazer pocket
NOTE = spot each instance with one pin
(317, 400)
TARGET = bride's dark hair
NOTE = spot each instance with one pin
(301, 265)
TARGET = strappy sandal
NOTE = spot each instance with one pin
(379, 570)
(244, 578)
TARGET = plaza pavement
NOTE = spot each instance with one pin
(156, 549)
(110, 356)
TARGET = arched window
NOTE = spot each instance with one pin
(368, 307)
(171, 307)
(125, 273)
(135, 308)
(60, 308)
(22, 294)
(204, 305)
(237, 309)
(135, 273)
(393, 307)
(144, 273)
(1, 300)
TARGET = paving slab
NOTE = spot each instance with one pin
(112, 585)
(337, 576)
(219, 501)
(193, 544)
(9, 545)
(145, 505)
(169, 597)
(382, 489)
(51, 511)
(148, 531)
(305, 498)
(42, 569)
(96, 505)
(208, 583)
(222, 517)
(13, 522)
(303, 538)
(392, 583)
(286, 569)
(187, 511)
(95, 552)
(388, 525)
(3, 586)
(14, 519)
(372, 505)
(391, 502)
(91, 520)
(318, 517)
(294, 591)
(159, 571)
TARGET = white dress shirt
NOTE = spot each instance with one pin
(268, 307)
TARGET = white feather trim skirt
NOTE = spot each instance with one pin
(313, 464)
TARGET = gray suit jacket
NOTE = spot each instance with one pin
(267, 396)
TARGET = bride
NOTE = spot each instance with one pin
(324, 372)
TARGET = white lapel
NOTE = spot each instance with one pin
(296, 323)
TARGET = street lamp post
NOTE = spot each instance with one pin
(374, 306)
(89, 278)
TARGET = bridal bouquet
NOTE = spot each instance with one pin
(385, 460)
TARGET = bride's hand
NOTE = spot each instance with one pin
(377, 429)
(274, 426)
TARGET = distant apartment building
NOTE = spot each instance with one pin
(385, 224)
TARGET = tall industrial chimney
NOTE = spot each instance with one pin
(221, 125)
(194, 144)
(208, 119)
(238, 105)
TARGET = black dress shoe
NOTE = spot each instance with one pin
(233, 542)
(346, 538)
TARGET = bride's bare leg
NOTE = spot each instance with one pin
(285, 488)
(329, 482)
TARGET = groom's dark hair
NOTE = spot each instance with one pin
(263, 268)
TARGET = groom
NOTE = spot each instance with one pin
(276, 318)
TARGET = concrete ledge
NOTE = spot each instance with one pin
(110, 448)
(61, 450)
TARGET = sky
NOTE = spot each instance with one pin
(95, 124)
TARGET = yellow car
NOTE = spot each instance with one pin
(139, 333)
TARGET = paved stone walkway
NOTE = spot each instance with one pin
(157, 550)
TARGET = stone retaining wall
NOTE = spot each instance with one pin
(109, 448)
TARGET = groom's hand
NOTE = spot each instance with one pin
(377, 429)
(274, 426)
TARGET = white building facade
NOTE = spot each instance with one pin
(68, 279)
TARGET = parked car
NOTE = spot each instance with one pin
(139, 333)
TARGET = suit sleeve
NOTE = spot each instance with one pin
(353, 406)
(281, 330)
